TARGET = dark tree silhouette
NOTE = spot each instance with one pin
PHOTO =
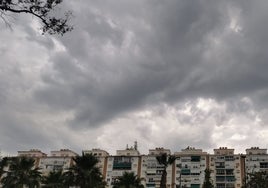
(41, 9)
(85, 173)
(165, 160)
(207, 182)
(55, 179)
(3, 165)
(256, 180)
(128, 180)
(21, 172)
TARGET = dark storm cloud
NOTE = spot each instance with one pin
(192, 65)
(172, 54)
(18, 133)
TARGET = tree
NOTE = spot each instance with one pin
(85, 173)
(55, 179)
(128, 180)
(3, 165)
(207, 182)
(21, 173)
(41, 9)
(165, 160)
(256, 180)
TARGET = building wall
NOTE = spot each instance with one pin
(256, 160)
(49, 164)
(117, 165)
(189, 167)
(226, 168)
(63, 153)
(151, 171)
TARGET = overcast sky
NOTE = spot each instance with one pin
(172, 73)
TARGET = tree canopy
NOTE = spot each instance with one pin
(44, 10)
(128, 180)
(165, 160)
(21, 173)
(55, 179)
(256, 180)
(207, 182)
(85, 173)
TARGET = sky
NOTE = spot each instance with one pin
(170, 74)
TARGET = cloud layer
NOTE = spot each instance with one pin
(165, 73)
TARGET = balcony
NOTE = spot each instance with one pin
(122, 166)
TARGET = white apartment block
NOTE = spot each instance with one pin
(50, 164)
(226, 168)
(31, 153)
(190, 165)
(63, 153)
(57, 160)
(102, 156)
(127, 160)
(256, 160)
(151, 171)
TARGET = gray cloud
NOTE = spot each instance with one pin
(130, 57)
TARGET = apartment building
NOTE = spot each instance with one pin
(226, 168)
(151, 171)
(256, 160)
(34, 153)
(57, 160)
(102, 156)
(63, 153)
(31, 153)
(126, 160)
(53, 163)
(60, 160)
(190, 167)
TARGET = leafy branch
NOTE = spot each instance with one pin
(41, 9)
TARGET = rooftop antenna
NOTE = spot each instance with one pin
(136, 145)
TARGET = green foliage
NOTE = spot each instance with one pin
(55, 179)
(21, 173)
(84, 173)
(42, 9)
(256, 180)
(207, 182)
(3, 165)
(128, 180)
(165, 160)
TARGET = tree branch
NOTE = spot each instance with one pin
(41, 10)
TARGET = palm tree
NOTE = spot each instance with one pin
(55, 179)
(165, 160)
(207, 182)
(21, 173)
(85, 173)
(128, 180)
(3, 165)
(256, 180)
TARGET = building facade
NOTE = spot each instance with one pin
(228, 170)
(127, 160)
(190, 167)
(151, 171)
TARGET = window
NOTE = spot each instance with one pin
(263, 165)
(220, 172)
(195, 158)
(185, 171)
(195, 186)
(122, 163)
